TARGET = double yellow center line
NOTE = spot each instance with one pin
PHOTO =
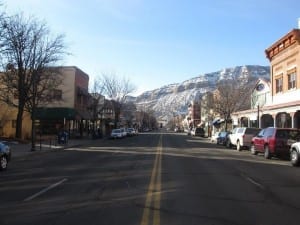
(152, 205)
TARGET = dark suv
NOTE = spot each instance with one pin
(274, 141)
(198, 131)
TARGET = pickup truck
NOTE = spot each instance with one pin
(241, 137)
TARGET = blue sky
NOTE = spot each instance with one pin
(160, 42)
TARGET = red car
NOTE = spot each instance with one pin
(274, 141)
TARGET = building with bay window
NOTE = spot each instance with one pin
(278, 106)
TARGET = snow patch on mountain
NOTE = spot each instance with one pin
(173, 99)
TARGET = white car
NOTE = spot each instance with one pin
(214, 137)
(124, 132)
(116, 133)
(131, 131)
(295, 154)
(241, 137)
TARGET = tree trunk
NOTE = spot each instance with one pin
(116, 119)
(19, 122)
(33, 134)
(226, 124)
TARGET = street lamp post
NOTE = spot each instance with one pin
(258, 120)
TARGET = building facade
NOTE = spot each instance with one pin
(207, 113)
(194, 114)
(69, 111)
(71, 108)
(8, 115)
(282, 101)
(260, 97)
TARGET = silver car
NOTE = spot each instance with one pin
(5, 155)
(116, 133)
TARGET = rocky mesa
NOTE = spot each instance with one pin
(173, 99)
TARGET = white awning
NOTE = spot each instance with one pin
(235, 121)
(253, 117)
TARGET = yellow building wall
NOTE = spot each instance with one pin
(8, 116)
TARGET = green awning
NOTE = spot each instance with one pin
(55, 113)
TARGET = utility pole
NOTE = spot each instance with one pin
(258, 116)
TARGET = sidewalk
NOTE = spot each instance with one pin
(21, 149)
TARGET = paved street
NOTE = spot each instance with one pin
(154, 178)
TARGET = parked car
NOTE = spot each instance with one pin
(214, 137)
(5, 155)
(123, 131)
(116, 133)
(198, 131)
(131, 132)
(222, 138)
(274, 141)
(295, 154)
(188, 131)
(241, 137)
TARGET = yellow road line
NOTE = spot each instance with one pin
(153, 197)
(157, 199)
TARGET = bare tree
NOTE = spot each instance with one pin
(96, 105)
(149, 120)
(128, 112)
(28, 51)
(116, 89)
(231, 96)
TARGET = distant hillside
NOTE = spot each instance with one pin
(174, 98)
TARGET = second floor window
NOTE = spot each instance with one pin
(57, 94)
(292, 80)
(279, 85)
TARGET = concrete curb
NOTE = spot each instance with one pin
(21, 149)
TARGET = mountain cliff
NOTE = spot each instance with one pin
(174, 98)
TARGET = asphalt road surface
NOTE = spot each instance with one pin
(155, 178)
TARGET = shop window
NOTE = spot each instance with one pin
(57, 94)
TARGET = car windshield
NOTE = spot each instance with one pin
(222, 134)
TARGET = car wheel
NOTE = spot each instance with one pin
(252, 149)
(267, 153)
(295, 158)
(3, 163)
(238, 146)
